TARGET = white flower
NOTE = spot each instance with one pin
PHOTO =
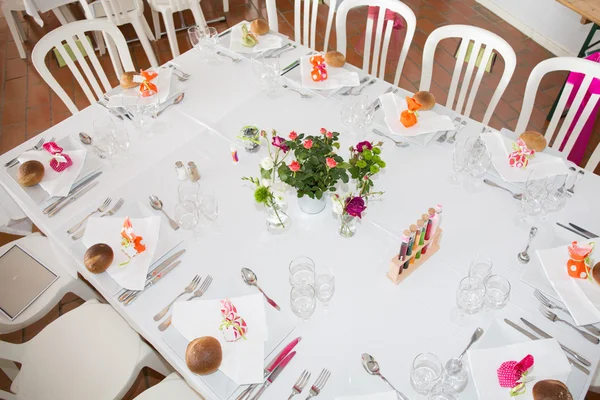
(265, 182)
(267, 163)
(336, 206)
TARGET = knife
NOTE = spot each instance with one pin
(533, 337)
(543, 334)
(590, 234)
(80, 192)
(271, 378)
(272, 365)
(573, 230)
(72, 191)
(123, 296)
(290, 67)
(153, 281)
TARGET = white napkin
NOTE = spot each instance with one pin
(581, 296)
(243, 360)
(265, 42)
(428, 121)
(166, 89)
(549, 363)
(500, 147)
(336, 77)
(108, 230)
(57, 183)
(391, 395)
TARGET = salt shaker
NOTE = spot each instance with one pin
(193, 172)
(181, 172)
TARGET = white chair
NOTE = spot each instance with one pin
(89, 353)
(10, 9)
(120, 57)
(122, 12)
(591, 70)
(166, 8)
(467, 33)
(172, 387)
(382, 32)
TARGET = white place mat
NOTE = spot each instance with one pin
(336, 77)
(166, 82)
(391, 395)
(266, 42)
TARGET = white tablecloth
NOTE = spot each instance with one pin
(368, 313)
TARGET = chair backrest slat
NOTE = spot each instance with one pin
(468, 76)
(377, 41)
(305, 28)
(313, 24)
(487, 55)
(386, 44)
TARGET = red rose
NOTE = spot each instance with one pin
(293, 135)
(308, 144)
(294, 166)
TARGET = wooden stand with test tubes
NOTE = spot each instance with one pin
(419, 244)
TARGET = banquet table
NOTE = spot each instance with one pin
(368, 312)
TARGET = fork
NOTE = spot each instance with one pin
(302, 95)
(235, 60)
(112, 211)
(185, 75)
(571, 190)
(553, 317)
(180, 78)
(102, 208)
(452, 138)
(198, 293)
(188, 289)
(15, 160)
(442, 138)
(349, 90)
(550, 304)
(360, 89)
(319, 383)
(300, 384)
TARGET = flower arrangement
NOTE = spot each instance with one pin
(365, 162)
(317, 168)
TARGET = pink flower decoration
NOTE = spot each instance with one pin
(293, 135)
(60, 161)
(308, 144)
(323, 131)
(330, 162)
(329, 135)
(294, 166)
(510, 372)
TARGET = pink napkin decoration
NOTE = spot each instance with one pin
(60, 161)
(519, 158)
(511, 374)
(233, 326)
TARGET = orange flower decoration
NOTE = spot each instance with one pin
(409, 117)
(148, 88)
(319, 71)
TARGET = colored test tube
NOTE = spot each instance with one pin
(425, 218)
(435, 220)
(404, 247)
(411, 242)
(418, 241)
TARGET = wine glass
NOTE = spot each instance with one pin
(210, 40)
(303, 301)
(189, 191)
(478, 162)
(347, 111)
(534, 195)
(195, 33)
(324, 285)
(443, 391)
(121, 137)
(186, 215)
(209, 206)
(268, 71)
(557, 194)
(462, 147)
(103, 140)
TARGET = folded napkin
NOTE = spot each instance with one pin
(500, 147)
(108, 230)
(57, 183)
(391, 395)
(549, 363)
(243, 360)
(428, 121)
(336, 77)
(164, 83)
(581, 296)
(266, 42)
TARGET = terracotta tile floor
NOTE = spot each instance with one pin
(28, 107)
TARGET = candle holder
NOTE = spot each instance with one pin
(398, 273)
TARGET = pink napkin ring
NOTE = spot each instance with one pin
(519, 158)
(233, 326)
(512, 374)
(60, 161)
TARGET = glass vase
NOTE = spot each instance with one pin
(347, 226)
(311, 206)
(277, 219)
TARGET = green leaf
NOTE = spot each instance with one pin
(344, 165)
(319, 194)
(332, 189)
(336, 145)
(344, 178)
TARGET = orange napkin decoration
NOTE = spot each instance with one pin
(131, 244)
(148, 88)
(578, 265)
(319, 71)
(409, 117)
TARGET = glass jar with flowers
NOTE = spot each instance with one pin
(316, 169)
(349, 209)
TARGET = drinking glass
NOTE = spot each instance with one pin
(210, 40)
(186, 215)
(189, 191)
(209, 206)
(497, 292)
(480, 268)
(302, 272)
(324, 285)
(455, 374)
(268, 71)
(462, 147)
(557, 194)
(470, 294)
(195, 34)
(363, 112)
(534, 195)
(442, 391)
(303, 301)
(426, 372)
(103, 141)
(347, 111)
(477, 164)
(121, 137)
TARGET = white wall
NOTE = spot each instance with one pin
(547, 22)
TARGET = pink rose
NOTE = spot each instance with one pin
(323, 131)
(330, 162)
(294, 166)
(293, 135)
(308, 144)
(329, 135)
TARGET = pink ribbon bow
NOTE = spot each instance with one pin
(233, 326)
(519, 158)
(60, 161)
(511, 374)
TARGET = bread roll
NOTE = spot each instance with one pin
(596, 273)
(98, 258)
(259, 27)
(551, 389)
(425, 99)
(534, 140)
(127, 81)
(30, 173)
(335, 59)
(203, 355)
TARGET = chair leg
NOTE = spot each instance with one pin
(14, 31)
(226, 5)
(9, 368)
(156, 23)
(100, 42)
(170, 28)
(141, 33)
(60, 16)
(198, 14)
(153, 360)
(147, 29)
(83, 291)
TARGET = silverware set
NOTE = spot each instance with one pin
(76, 188)
(157, 204)
(523, 256)
(188, 289)
(185, 75)
(578, 230)
(377, 102)
(198, 293)
(128, 296)
(452, 138)
(458, 125)
(274, 53)
(100, 209)
(580, 173)
(300, 384)
(552, 305)
(553, 317)
(516, 196)
(319, 384)
(38, 146)
(348, 91)
(118, 112)
(109, 213)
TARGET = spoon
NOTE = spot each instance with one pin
(516, 196)
(372, 367)
(235, 60)
(177, 100)
(455, 364)
(396, 142)
(85, 138)
(158, 205)
(250, 278)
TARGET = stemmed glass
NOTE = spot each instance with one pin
(210, 40)
(103, 139)
(557, 195)
(478, 162)
(186, 215)
(426, 372)
(209, 206)
(357, 113)
(443, 391)
(534, 195)
(303, 301)
(324, 285)
(121, 137)
(302, 272)
(268, 71)
(189, 191)
(462, 148)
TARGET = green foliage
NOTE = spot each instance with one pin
(364, 165)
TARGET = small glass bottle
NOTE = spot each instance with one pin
(193, 172)
(181, 172)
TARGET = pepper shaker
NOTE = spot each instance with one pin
(193, 172)
(181, 172)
